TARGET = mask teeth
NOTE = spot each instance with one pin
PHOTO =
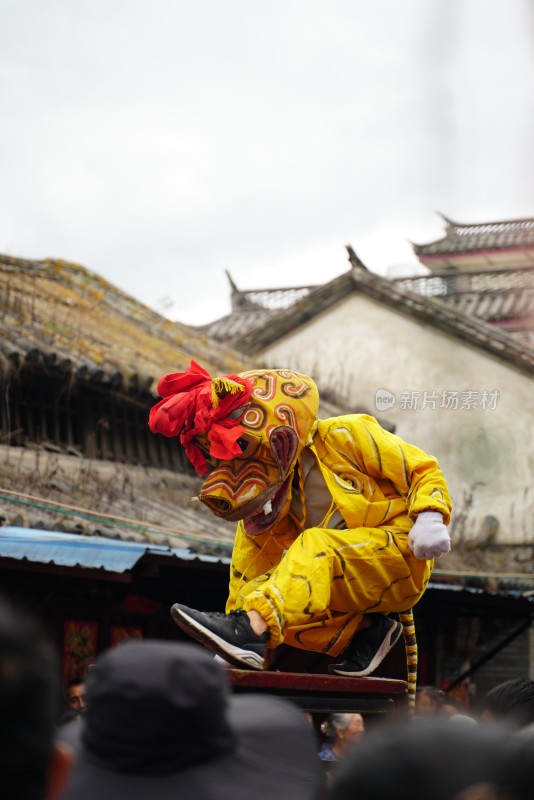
(195, 499)
(268, 507)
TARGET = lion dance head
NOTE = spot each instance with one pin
(244, 433)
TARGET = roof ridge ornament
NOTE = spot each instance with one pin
(449, 223)
(233, 284)
(355, 261)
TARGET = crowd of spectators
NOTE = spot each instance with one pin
(156, 720)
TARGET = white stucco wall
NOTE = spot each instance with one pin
(361, 346)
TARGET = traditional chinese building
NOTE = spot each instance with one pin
(486, 246)
(101, 534)
(80, 361)
(485, 270)
(458, 386)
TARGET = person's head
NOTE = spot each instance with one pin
(343, 729)
(432, 759)
(510, 703)
(244, 433)
(161, 722)
(427, 701)
(75, 695)
(32, 766)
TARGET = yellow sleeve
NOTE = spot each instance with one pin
(414, 473)
(253, 560)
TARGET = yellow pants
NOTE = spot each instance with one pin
(313, 595)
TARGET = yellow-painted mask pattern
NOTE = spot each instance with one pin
(277, 422)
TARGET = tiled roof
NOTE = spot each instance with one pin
(498, 296)
(237, 324)
(430, 310)
(464, 238)
(75, 319)
(252, 308)
(61, 315)
(514, 307)
(61, 492)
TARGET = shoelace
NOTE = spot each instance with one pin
(220, 614)
(240, 614)
(237, 614)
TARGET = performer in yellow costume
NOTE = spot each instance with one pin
(338, 519)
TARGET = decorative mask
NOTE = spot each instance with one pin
(248, 428)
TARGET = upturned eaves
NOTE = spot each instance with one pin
(467, 238)
(431, 311)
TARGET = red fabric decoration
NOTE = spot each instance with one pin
(187, 410)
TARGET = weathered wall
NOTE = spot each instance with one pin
(360, 347)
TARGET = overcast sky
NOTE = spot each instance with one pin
(160, 143)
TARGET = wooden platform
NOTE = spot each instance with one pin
(324, 693)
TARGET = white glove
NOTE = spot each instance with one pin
(428, 537)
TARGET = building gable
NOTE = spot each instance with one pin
(427, 310)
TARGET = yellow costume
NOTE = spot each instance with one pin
(325, 508)
(334, 575)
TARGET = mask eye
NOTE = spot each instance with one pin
(238, 412)
(203, 445)
(248, 445)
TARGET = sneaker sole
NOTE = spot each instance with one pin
(389, 642)
(235, 655)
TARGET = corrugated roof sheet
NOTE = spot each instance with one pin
(91, 552)
(114, 555)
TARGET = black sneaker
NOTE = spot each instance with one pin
(229, 635)
(368, 648)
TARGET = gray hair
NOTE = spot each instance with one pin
(335, 722)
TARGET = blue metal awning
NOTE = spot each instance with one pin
(119, 556)
(91, 552)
